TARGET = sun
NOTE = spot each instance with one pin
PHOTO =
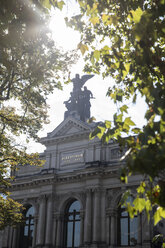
(65, 37)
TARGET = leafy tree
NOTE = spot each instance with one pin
(126, 40)
(30, 68)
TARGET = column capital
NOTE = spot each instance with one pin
(82, 214)
(97, 190)
(111, 212)
(41, 198)
(50, 196)
(88, 190)
(58, 216)
(35, 217)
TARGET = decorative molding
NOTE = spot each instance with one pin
(102, 172)
(60, 132)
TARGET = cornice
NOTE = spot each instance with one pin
(64, 138)
(60, 132)
(100, 172)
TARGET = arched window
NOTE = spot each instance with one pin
(127, 228)
(72, 225)
(27, 229)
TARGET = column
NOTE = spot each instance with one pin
(107, 153)
(145, 231)
(59, 229)
(90, 154)
(139, 241)
(35, 230)
(88, 217)
(49, 222)
(5, 236)
(48, 161)
(10, 237)
(54, 236)
(113, 233)
(14, 242)
(81, 227)
(103, 216)
(96, 218)
(41, 221)
(108, 228)
(53, 161)
(97, 153)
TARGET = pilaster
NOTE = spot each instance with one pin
(111, 224)
(41, 221)
(81, 227)
(88, 217)
(49, 222)
(35, 230)
(103, 216)
(59, 231)
(97, 215)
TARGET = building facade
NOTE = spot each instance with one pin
(73, 200)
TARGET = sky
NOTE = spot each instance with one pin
(102, 107)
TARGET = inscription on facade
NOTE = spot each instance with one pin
(71, 158)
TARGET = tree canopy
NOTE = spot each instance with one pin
(125, 40)
(30, 69)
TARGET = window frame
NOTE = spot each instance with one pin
(29, 239)
(73, 220)
(119, 233)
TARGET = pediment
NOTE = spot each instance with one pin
(69, 126)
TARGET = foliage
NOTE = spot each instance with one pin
(30, 68)
(10, 212)
(126, 40)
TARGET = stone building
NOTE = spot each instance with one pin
(73, 200)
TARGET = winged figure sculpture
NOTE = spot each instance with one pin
(79, 82)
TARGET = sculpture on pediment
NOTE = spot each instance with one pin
(79, 102)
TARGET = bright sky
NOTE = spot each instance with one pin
(102, 107)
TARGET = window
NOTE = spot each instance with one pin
(27, 229)
(127, 228)
(72, 225)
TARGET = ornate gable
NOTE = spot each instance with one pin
(69, 127)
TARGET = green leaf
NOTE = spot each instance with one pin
(99, 131)
(83, 48)
(90, 120)
(105, 18)
(96, 55)
(136, 130)
(94, 20)
(137, 14)
(159, 214)
(139, 204)
(60, 4)
(130, 210)
(141, 188)
(100, 134)
(129, 122)
(108, 124)
(47, 4)
(127, 67)
(162, 2)
(124, 109)
(118, 118)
